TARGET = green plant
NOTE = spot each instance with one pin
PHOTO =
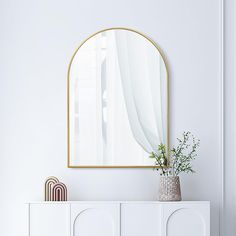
(181, 156)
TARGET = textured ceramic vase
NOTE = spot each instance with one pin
(169, 189)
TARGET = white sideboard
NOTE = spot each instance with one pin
(119, 218)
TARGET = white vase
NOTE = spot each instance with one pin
(169, 188)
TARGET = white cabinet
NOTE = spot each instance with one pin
(140, 219)
(49, 219)
(186, 219)
(92, 219)
(119, 218)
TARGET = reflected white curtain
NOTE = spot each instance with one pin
(144, 82)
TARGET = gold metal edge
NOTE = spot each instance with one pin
(68, 99)
(141, 167)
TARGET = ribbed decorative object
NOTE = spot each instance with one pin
(55, 190)
(49, 183)
(169, 189)
(59, 192)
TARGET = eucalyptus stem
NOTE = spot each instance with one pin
(181, 157)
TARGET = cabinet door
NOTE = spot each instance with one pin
(185, 219)
(90, 219)
(49, 219)
(140, 219)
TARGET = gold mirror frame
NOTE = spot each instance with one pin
(68, 100)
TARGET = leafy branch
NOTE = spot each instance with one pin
(181, 157)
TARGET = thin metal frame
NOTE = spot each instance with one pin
(68, 101)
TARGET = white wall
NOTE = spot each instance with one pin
(36, 43)
(229, 215)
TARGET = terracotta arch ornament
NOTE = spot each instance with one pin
(55, 190)
(59, 192)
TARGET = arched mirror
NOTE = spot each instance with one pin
(117, 100)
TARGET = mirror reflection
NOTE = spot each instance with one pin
(117, 101)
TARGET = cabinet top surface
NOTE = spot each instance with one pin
(117, 202)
